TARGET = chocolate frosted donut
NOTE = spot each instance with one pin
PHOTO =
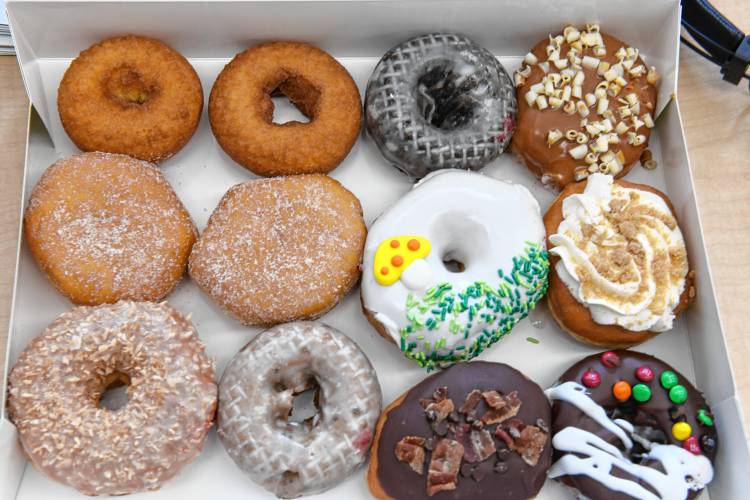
(586, 103)
(439, 101)
(471, 431)
(627, 425)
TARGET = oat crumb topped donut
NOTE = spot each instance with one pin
(281, 249)
(131, 95)
(55, 387)
(257, 423)
(106, 227)
(241, 110)
(586, 103)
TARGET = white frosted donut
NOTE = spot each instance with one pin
(256, 393)
(489, 232)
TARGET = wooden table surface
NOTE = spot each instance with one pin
(717, 124)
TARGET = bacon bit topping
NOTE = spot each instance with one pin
(478, 444)
(501, 407)
(526, 440)
(411, 451)
(442, 474)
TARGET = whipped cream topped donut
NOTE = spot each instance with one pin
(453, 266)
(621, 255)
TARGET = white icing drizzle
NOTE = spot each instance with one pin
(683, 470)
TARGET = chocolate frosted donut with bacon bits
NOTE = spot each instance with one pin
(586, 103)
(627, 425)
(55, 397)
(470, 431)
(281, 249)
(619, 262)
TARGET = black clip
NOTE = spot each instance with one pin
(734, 69)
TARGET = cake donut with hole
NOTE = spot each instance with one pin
(452, 266)
(289, 456)
(241, 110)
(627, 425)
(131, 95)
(54, 392)
(439, 101)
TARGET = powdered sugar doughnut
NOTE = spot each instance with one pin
(106, 227)
(256, 392)
(55, 387)
(281, 249)
(453, 266)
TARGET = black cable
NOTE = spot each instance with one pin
(703, 53)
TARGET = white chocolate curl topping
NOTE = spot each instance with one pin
(622, 255)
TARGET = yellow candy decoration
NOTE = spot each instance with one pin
(396, 254)
(681, 431)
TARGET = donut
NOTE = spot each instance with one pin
(105, 227)
(257, 425)
(586, 103)
(132, 95)
(439, 101)
(281, 249)
(452, 266)
(54, 392)
(627, 425)
(241, 110)
(477, 430)
(620, 267)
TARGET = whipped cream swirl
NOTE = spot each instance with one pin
(622, 255)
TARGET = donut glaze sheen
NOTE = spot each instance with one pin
(485, 267)
(659, 436)
(497, 418)
(439, 101)
(256, 395)
(55, 387)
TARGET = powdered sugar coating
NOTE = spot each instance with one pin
(106, 227)
(56, 383)
(281, 249)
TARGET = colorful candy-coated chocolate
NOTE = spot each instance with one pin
(668, 379)
(691, 444)
(641, 393)
(708, 443)
(705, 418)
(621, 390)
(591, 379)
(644, 373)
(678, 394)
(610, 359)
(681, 431)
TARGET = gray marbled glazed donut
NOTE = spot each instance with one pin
(440, 101)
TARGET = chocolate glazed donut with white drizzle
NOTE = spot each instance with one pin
(627, 425)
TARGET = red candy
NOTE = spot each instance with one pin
(691, 444)
(591, 378)
(610, 359)
(644, 373)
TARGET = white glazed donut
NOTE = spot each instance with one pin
(492, 232)
(256, 396)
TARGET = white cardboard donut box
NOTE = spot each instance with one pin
(49, 34)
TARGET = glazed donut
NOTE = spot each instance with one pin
(470, 431)
(131, 95)
(255, 418)
(586, 103)
(620, 268)
(55, 387)
(627, 425)
(439, 101)
(281, 249)
(106, 227)
(241, 110)
(453, 266)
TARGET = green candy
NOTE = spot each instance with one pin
(641, 393)
(678, 394)
(668, 379)
(704, 418)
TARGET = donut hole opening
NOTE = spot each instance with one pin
(453, 265)
(305, 410)
(114, 395)
(445, 93)
(294, 99)
(127, 86)
(461, 241)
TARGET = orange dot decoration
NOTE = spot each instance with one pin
(397, 261)
(384, 270)
(413, 245)
(621, 391)
(395, 244)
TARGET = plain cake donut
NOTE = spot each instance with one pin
(55, 386)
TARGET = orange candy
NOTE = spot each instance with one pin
(383, 270)
(395, 244)
(397, 260)
(621, 390)
(413, 245)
